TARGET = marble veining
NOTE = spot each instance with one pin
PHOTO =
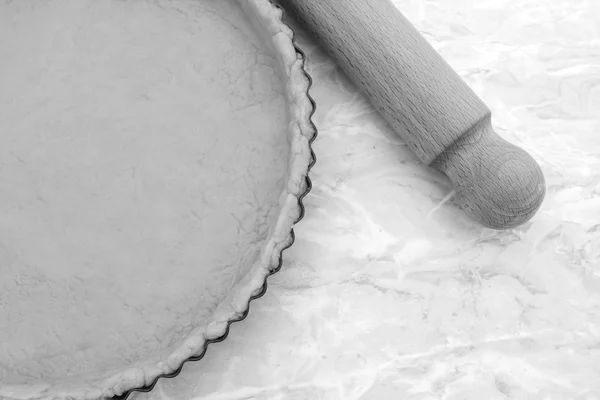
(390, 292)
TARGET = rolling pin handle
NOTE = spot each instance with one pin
(496, 183)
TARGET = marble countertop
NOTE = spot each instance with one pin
(390, 292)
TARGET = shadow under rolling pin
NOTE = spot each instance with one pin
(427, 103)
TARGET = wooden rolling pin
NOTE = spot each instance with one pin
(426, 102)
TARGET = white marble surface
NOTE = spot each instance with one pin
(390, 292)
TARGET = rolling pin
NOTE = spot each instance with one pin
(427, 103)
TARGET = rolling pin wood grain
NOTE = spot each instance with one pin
(427, 103)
